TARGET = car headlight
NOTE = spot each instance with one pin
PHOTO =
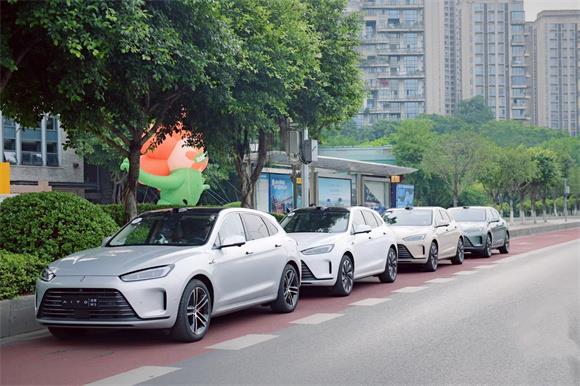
(147, 274)
(415, 237)
(318, 250)
(47, 275)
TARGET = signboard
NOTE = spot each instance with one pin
(405, 195)
(334, 191)
(263, 193)
(281, 193)
(4, 178)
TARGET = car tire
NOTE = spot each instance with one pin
(505, 248)
(390, 273)
(459, 254)
(433, 260)
(194, 313)
(345, 277)
(487, 248)
(288, 291)
(64, 333)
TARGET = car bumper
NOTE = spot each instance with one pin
(140, 304)
(474, 242)
(412, 253)
(319, 270)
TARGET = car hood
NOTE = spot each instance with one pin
(470, 225)
(314, 239)
(404, 231)
(114, 261)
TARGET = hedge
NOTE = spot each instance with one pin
(52, 225)
(18, 273)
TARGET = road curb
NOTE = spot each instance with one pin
(532, 230)
(17, 316)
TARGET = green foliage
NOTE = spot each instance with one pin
(474, 194)
(18, 273)
(52, 225)
(474, 111)
(515, 133)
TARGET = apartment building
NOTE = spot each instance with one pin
(392, 59)
(553, 44)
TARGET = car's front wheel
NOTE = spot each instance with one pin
(433, 261)
(67, 333)
(194, 313)
(345, 278)
(287, 291)
(390, 273)
(459, 254)
(487, 248)
(506, 245)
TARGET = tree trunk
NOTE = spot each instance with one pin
(533, 201)
(544, 209)
(249, 174)
(511, 210)
(455, 194)
(130, 190)
(522, 211)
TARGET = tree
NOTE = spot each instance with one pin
(490, 173)
(547, 173)
(474, 111)
(120, 71)
(455, 158)
(515, 133)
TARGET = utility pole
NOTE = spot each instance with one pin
(305, 176)
(566, 192)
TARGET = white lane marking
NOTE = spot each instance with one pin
(441, 280)
(370, 302)
(242, 342)
(502, 261)
(135, 376)
(485, 266)
(409, 290)
(316, 318)
(465, 272)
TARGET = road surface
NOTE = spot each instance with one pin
(502, 320)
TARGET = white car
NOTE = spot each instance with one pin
(172, 269)
(339, 245)
(426, 235)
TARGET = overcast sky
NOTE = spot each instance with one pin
(532, 7)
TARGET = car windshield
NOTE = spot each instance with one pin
(167, 228)
(322, 221)
(468, 214)
(409, 217)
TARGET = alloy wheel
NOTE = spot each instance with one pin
(392, 263)
(460, 251)
(347, 275)
(291, 288)
(434, 257)
(198, 309)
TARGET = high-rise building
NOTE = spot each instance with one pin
(392, 58)
(553, 43)
(493, 55)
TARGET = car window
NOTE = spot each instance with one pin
(370, 219)
(272, 229)
(495, 214)
(255, 226)
(231, 226)
(378, 218)
(441, 218)
(358, 218)
(320, 221)
(446, 216)
(409, 217)
(489, 214)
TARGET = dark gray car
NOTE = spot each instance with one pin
(484, 229)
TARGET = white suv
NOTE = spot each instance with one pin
(338, 245)
(426, 235)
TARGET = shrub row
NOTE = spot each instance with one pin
(18, 273)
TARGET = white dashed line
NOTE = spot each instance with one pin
(441, 280)
(409, 290)
(462, 273)
(316, 318)
(370, 302)
(135, 376)
(485, 266)
(242, 342)
(502, 261)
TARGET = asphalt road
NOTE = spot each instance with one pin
(502, 320)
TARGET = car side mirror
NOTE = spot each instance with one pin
(106, 241)
(233, 241)
(361, 228)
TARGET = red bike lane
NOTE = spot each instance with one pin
(46, 360)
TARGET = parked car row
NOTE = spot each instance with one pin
(175, 269)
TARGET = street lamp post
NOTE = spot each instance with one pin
(566, 192)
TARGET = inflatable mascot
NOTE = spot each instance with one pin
(174, 168)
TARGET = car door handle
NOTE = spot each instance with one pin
(277, 245)
(249, 252)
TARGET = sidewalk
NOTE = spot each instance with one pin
(553, 224)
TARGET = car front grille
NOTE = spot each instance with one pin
(106, 305)
(307, 274)
(404, 253)
(478, 240)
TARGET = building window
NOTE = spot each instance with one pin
(32, 146)
(9, 139)
(35, 146)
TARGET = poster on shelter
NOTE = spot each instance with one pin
(405, 194)
(334, 192)
(281, 193)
